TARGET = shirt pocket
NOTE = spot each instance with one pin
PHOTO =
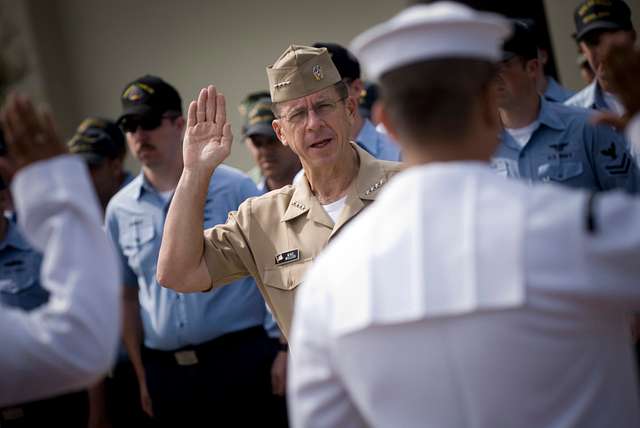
(286, 277)
(136, 241)
(560, 171)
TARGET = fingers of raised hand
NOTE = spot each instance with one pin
(30, 135)
(51, 134)
(21, 126)
(191, 115)
(211, 103)
(201, 111)
(227, 136)
(221, 110)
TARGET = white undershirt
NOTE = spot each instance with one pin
(335, 208)
(523, 135)
(614, 103)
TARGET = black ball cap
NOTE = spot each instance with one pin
(522, 42)
(346, 63)
(149, 95)
(97, 139)
(593, 15)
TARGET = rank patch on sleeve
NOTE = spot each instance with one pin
(288, 257)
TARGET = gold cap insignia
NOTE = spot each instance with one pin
(317, 72)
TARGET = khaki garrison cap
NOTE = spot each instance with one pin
(301, 71)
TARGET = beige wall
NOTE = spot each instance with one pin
(89, 49)
(83, 52)
(561, 26)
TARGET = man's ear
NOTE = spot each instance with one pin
(352, 109)
(277, 128)
(532, 67)
(356, 89)
(180, 123)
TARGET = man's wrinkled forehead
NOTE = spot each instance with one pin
(322, 95)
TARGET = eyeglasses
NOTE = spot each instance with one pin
(147, 123)
(322, 108)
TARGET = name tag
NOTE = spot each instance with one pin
(288, 257)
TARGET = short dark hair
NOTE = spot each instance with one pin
(340, 87)
(435, 98)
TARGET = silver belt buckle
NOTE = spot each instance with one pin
(186, 358)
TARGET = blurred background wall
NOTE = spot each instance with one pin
(81, 53)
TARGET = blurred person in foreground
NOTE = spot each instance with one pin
(68, 342)
(468, 325)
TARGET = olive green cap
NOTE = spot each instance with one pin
(301, 71)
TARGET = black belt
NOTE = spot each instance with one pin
(193, 354)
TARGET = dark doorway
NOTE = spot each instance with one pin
(529, 10)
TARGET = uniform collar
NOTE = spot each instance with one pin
(593, 97)
(547, 116)
(368, 137)
(13, 238)
(556, 92)
(142, 186)
(365, 186)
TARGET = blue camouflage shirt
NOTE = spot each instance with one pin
(567, 149)
(20, 271)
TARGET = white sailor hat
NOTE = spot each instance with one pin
(440, 30)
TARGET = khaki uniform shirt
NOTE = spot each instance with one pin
(276, 237)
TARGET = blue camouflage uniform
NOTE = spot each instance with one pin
(20, 271)
(567, 149)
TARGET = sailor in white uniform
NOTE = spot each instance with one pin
(460, 299)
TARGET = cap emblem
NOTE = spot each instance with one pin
(135, 91)
(317, 72)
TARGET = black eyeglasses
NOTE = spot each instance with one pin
(147, 123)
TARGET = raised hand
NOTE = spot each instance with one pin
(30, 136)
(207, 140)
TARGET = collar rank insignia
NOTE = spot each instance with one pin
(287, 257)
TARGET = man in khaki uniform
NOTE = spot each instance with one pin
(275, 237)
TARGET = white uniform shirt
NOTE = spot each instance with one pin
(68, 343)
(460, 299)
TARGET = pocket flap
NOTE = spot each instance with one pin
(560, 172)
(287, 277)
